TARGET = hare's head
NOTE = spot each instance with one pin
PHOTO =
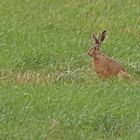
(95, 49)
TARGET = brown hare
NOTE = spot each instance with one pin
(104, 66)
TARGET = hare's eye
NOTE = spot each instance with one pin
(95, 48)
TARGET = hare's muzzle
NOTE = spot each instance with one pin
(89, 54)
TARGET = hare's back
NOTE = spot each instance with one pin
(114, 66)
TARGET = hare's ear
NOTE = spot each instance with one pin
(102, 36)
(95, 39)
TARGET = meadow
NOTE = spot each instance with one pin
(48, 90)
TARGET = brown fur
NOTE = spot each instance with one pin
(104, 66)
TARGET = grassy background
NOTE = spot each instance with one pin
(48, 89)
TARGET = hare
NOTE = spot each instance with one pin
(104, 66)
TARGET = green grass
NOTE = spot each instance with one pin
(48, 89)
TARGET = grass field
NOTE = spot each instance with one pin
(48, 90)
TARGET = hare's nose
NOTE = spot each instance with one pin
(89, 54)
